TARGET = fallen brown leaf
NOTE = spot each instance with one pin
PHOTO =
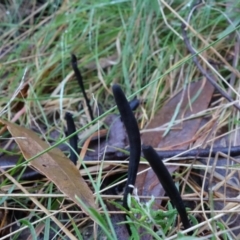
(185, 131)
(147, 183)
(53, 164)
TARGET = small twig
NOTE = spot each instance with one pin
(131, 126)
(195, 153)
(73, 141)
(30, 174)
(134, 104)
(80, 82)
(202, 70)
(166, 180)
(233, 152)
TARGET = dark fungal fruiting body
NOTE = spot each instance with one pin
(131, 126)
(166, 180)
(73, 141)
(80, 82)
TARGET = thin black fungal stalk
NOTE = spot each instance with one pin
(73, 141)
(80, 82)
(166, 180)
(131, 126)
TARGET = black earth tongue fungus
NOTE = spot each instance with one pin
(80, 82)
(166, 180)
(73, 141)
(131, 126)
